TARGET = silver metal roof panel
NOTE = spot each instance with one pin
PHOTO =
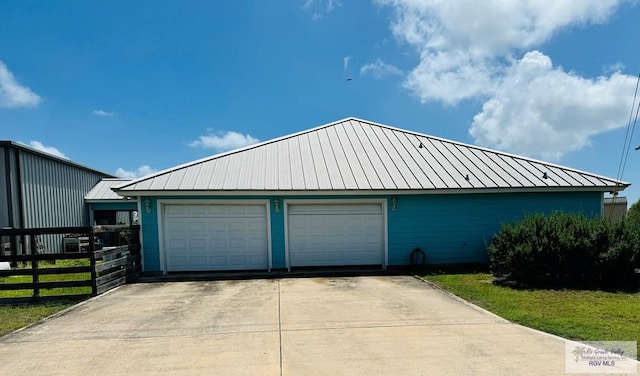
(102, 191)
(354, 155)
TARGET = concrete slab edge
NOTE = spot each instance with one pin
(57, 314)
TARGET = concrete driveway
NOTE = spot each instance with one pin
(313, 326)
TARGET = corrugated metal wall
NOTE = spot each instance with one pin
(51, 193)
(9, 188)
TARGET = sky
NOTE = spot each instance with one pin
(134, 87)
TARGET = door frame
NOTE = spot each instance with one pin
(383, 204)
(161, 204)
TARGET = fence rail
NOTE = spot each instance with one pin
(103, 269)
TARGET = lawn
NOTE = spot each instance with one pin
(573, 314)
(13, 317)
(50, 278)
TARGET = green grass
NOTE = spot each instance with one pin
(573, 314)
(49, 278)
(13, 317)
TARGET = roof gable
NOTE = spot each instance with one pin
(358, 155)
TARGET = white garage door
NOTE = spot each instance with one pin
(215, 237)
(335, 234)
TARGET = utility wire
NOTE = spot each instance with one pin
(633, 128)
(627, 139)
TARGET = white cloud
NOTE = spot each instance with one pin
(345, 62)
(103, 113)
(541, 110)
(451, 77)
(468, 50)
(141, 171)
(224, 141)
(613, 68)
(46, 149)
(464, 45)
(379, 69)
(320, 7)
(491, 27)
(12, 94)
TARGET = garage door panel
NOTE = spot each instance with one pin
(198, 244)
(198, 226)
(215, 237)
(315, 209)
(237, 243)
(173, 210)
(177, 261)
(198, 260)
(335, 234)
(216, 210)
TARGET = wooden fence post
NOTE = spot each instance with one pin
(92, 261)
(35, 278)
(13, 250)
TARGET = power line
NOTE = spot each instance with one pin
(633, 128)
(627, 138)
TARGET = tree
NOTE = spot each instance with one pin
(634, 212)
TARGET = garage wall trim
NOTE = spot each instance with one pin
(383, 204)
(160, 213)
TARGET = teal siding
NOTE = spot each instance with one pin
(449, 228)
(454, 229)
(150, 238)
(277, 236)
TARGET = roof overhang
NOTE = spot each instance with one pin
(355, 192)
(126, 199)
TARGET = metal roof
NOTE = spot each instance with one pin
(102, 191)
(359, 156)
(29, 149)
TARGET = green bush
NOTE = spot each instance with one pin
(567, 250)
(633, 214)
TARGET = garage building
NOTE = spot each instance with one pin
(352, 192)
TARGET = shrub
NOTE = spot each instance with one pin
(633, 214)
(567, 250)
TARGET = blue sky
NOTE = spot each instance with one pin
(130, 88)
